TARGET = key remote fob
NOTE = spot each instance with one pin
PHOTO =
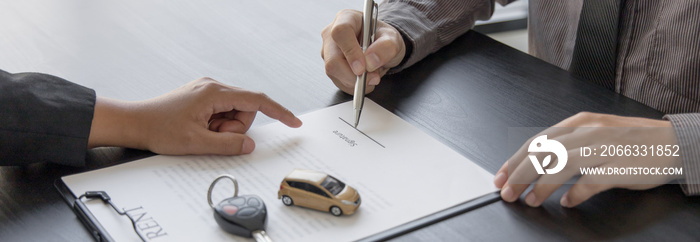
(241, 215)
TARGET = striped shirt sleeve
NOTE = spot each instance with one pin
(687, 127)
(428, 25)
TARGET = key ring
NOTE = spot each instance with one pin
(211, 187)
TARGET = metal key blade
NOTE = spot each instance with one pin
(261, 236)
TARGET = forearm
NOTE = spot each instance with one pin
(429, 25)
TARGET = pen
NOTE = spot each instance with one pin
(369, 22)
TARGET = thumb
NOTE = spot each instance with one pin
(384, 52)
(226, 143)
(387, 50)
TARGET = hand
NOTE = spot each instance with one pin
(201, 117)
(590, 130)
(342, 52)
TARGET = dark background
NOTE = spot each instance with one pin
(466, 95)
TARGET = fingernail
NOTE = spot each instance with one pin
(357, 68)
(565, 201)
(500, 179)
(372, 62)
(531, 200)
(294, 122)
(248, 146)
(374, 81)
(507, 194)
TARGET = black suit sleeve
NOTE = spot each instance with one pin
(43, 118)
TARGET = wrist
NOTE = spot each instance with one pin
(115, 123)
(408, 47)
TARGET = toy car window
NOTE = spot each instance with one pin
(333, 185)
(314, 189)
(294, 184)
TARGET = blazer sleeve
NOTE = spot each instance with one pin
(687, 127)
(43, 118)
(428, 25)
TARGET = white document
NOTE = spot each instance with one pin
(401, 173)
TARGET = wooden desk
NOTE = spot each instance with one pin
(466, 95)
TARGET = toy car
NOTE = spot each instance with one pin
(318, 190)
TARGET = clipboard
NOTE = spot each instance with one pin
(436, 217)
(99, 233)
(83, 213)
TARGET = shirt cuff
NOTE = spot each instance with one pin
(687, 127)
(427, 26)
(415, 27)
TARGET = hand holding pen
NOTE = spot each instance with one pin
(369, 24)
(343, 55)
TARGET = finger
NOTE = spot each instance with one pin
(382, 71)
(221, 98)
(346, 28)
(549, 183)
(384, 50)
(247, 101)
(236, 122)
(501, 176)
(246, 119)
(228, 125)
(535, 198)
(522, 153)
(233, 121)
(338, 70)
(224, 143)
(584, 189)
(369, 89)
(325, 36)
(590, 185)
(570, 138)
(518, 180)
(214, 124)
(216, 116)
(524, 174)
(231, 125)
(372, 78)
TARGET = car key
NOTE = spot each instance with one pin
(244, 215)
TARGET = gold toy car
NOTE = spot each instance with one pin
(320, 191)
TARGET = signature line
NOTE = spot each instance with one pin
(363, 133)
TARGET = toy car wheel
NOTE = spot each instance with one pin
(336, 211)
(287, 200)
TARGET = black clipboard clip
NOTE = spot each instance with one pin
(86, 217)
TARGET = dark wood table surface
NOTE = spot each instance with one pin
(466, 95)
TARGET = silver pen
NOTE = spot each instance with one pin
(369, 23)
